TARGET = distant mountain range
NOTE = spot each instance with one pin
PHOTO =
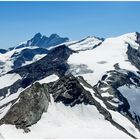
(42, 41)
(55, 88)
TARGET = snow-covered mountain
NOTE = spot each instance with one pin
(42, 41)
(28, 52)
(80, 89)
(18, 57)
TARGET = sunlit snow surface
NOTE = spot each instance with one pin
(49, 79)
(103, 58)
(61, 121)
(8, 79)
(87, 43)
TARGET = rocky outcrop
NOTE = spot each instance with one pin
(29, 107)
(138, 38)
(134, 56)
(69, 91)
(107, 91)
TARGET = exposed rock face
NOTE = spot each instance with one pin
(134, 56)
(107, 91)
(69, 91)
(28, 108)
(138, 37)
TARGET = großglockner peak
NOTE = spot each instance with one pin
(42, 41)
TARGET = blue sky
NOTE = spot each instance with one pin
(19, 21)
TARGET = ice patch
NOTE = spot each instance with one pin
(49, 79)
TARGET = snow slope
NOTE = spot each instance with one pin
(62, 121)
(103, 58)
(49, 79)
(117, 117)
(8, 79)
(87, 43)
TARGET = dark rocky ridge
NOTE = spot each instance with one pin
(138, 37)
(134, 56)
(54, 62)
(2, 51)
(69, 91)
(117, 79)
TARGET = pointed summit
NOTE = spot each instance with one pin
(37, 35)
(42, 41)
(54, 36)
